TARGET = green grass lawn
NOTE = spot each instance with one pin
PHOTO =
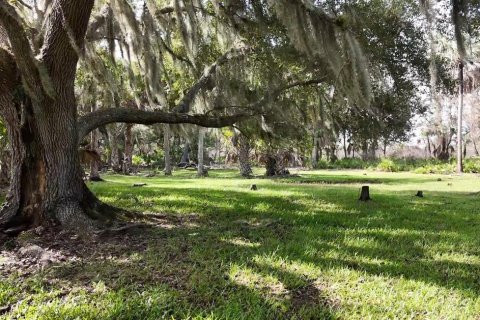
(298, 248)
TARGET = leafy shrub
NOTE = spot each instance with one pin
(155, 159)
(323, 164)
(388, 165)
(472, 165)
(434, 166)
(137, 160)
(351, 163)
(420, 166)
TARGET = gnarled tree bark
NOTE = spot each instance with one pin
(37, 101)
(242, 144)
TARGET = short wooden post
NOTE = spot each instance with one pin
(365, 194)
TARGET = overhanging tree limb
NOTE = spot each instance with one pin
(172, 53)
(93, 120)
(99, 118)
(168, 10)
(184, 105)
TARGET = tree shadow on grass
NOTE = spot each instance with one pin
(210, 264)
(350, 179)
(192, 266)
(306, 179)
(410, 238)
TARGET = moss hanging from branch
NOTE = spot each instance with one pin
(325, 40)
(458, 18)
(153, 62)
(188, 26)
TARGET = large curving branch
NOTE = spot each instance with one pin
(170, 9)
(270, 96)
(204, 80)
(172, 53)
(100, 118)
(13, 26)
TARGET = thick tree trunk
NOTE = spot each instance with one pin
(460, 121)
(114, 152)
(166, 149)
(372, 151)
(315, 152)
(271, 166)
(201, 152)
(429, 147)
(128, 152)
(46, 180)
(365, 151)
(475, 148)
(46, 183)
(186, 153)
(242, 145)
(333, 153)
(442, 152)
(94, 164)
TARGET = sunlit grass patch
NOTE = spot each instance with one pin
(301, 247)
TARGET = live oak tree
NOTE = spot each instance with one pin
(452, 27)
(438, 86)
(396, 49)
(37, 102)
(40, 48)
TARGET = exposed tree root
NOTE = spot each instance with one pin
(96, 179)
(120, 229)
(89, 216)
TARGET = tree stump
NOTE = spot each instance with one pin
(365, 194)
(137, 185)
(203, 173)
(419, 194)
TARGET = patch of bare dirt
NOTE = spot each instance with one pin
(310, 295)
(37, 249)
